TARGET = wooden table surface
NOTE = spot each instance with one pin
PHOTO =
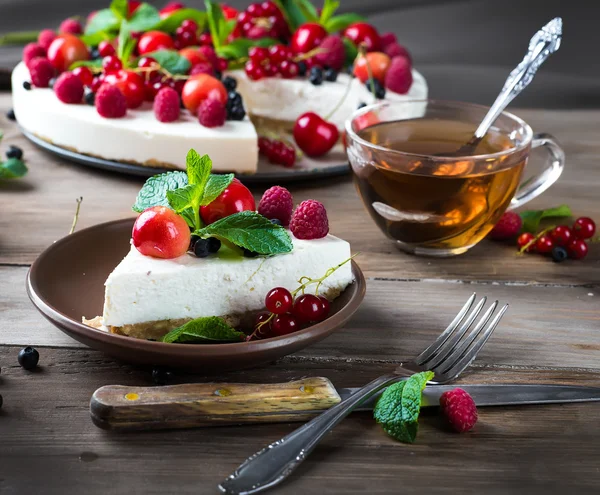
(551, 334)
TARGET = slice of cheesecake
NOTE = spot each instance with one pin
(147, 297)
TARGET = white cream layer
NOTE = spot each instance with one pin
(138, 137)
(287, 99)
(143, 289)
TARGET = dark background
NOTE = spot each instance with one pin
(465, 48)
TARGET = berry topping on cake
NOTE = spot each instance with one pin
(202, 87)
(70, 26)
(110, 102)
(314, 135)
(153, 41)
(161, 233)
(363, 34)
(130, 84)
(169, 8)
(46, 37)
(106, 49)
(309, 220)
(459, 409)
(234, 199)
(207, 53)
(166, 105)
(85, 74)
(212, 113)
(387, 39)
(396, 50)
(332, 53)
(261, 20)
(277, 203)
(65, 50)
(373, 64)
(41, 71)
(31, 51)
(399, 77)
(307, 37)
(68, 88)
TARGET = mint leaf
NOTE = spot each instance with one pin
(120, 8)
(206, 330)
(249, 230)
(532, 218)
(329, 8)
(87, 63)
(103, 20)
(145, 18)
(341, 22)
(239, 47)
(171, 23)
(126, 44)
(198, 168)
(216, 22)
(12, 169)
(184, 198)
(397, 410)
(292, 13)
(351, 51)
(94, 39)
(154, 191)
(171, 61)
(214, 187)
(309, 11)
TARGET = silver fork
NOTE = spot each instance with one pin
(447, 357)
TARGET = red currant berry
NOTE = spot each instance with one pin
(288, 69)
(85, 75)
(161, 233)
(222, 64)
(205, 39)
(265, 328)
(308, 308)
(524, 239)
(544, 245)
(258, 54)
(254, 70)
(183, 38)
(584, 228)
(106, 49)
(284, 324)
(271, 70)
(96, 83)
(255, 10)
(561, 235)
(235, 198)
(577, 249)
(279, 53)
(326, 306)
(269, 8)
(111, 64)
(279, 300)
(264, 145)
(189, 25)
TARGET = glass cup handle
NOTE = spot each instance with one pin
(536, 185)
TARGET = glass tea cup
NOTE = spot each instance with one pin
(437, 205)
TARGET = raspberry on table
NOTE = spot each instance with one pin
(71, 26)
(69, 88)
(277, 203)
(309, 221)
(31, 51)
(459, 408)
(399, 76)
(212, 113)
(166, 105)
(110, 102)
(46, 37)
(508, 226)
(333, 54)
(41, 72)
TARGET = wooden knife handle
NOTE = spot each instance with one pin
(117, 407)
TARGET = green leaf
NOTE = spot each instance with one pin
(214, 187)
(145, 18)
(532, 218)
(12, 169)
(154, 191)
(126, 44)
(171, 61)
(216, 22)
(309, 11)
(120, 8)
(397, 410)
(103, 20)
(185, 197)
(171, 23)
(351, 51)
(292, 13)
(95, 38)
(251, 231)
(329, 8)
(198, 168)
(206, 330)
(239, 47)
(87, 63)
(341, 22)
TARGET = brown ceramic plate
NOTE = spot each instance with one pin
(66, 282)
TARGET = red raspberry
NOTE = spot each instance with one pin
(166, 105)
(212, 113)
(309, 221)
(208, 54)
(277, 203)
(31, 51)
(46, 37)
(507, 227)
(399, 76)
(459, 408)
(264, 146)
(396, 50)
(68, 88)
(333, 54)
(387, 39)
(202, 68)
(41, 71)
(71, 26)
(110, 102)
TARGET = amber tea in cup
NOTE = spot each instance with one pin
(429, 201)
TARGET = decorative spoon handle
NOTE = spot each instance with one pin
(545, 42)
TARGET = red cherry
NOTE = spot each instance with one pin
(308, 308)
(193, 55)
(361, 33)
(561, 235)
(168, 9)
(544, 245)
(153, 41)
(284, 324)
(307, 37)
(279, 300)
(229, 12)
(111, 63)
(131, 85)
(524, 239)
(577, 249)
(326, 306)
(65, 50)
(105, 49)
(161, 233)
(235, 198)
(85, 75)
(200, 87)
(584, 228)
(314, 135)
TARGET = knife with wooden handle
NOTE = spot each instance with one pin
(128, 408)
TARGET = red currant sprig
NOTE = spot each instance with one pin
(277, 151)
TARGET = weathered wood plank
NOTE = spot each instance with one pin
(545, 326)
(38, 209)
(49, 444)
